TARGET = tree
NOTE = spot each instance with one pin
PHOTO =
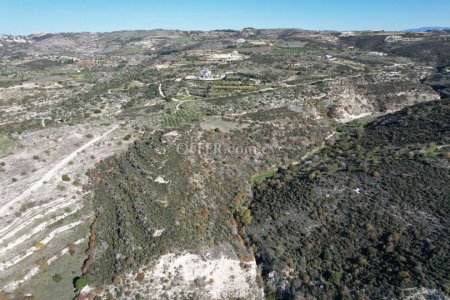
(140, 277)
(243, 216)
(79, 283)
(72, 247)
(335, 277)
(57, 278)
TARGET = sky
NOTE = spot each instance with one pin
(32, 16)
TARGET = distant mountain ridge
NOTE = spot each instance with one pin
(422, 29)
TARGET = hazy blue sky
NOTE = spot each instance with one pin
(29, 16)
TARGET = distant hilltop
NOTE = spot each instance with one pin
(423, 29)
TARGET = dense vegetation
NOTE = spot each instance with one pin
(367, 217)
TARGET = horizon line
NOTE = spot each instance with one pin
(425, 28)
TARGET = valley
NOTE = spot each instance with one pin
(175, 164)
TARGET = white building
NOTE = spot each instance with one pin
(205, 74)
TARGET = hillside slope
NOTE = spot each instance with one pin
(367, 217)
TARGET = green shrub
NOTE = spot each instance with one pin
(336, 277)
(57, 278)
(79, 283)
(243, 216)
